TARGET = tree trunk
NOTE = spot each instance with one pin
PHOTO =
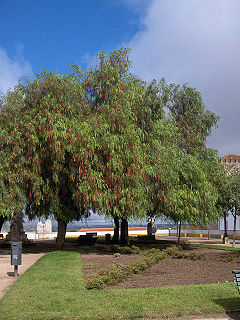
(179, 231)
(115, 239)
(225, 225)
(209, 231)
(2, 220)
(62, 228)
(234, 228)
(124, 232)
(17, 232)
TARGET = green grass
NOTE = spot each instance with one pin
(210, 246)
(53, 288)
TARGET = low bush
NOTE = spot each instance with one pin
(118, 273)
(173, 250)
(152, 251)
(195, 256)
(117, 254)
(123, 250)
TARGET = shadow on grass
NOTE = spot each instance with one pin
(44, 246)
(230, 304)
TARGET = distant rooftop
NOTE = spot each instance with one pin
(231, 158)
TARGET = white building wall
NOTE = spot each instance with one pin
(230, 220)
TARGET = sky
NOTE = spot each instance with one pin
(193, 41)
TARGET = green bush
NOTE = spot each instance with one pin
(123, 250)
(161, 256)
(173, 250)
(118, 273)
(117, 254)
(195, 256)
(96, 283)
(152, 251)
(229, 258)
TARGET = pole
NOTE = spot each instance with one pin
(16, 271)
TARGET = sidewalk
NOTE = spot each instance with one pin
(6, 270)
(198, 240)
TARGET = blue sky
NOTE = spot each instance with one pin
(51, 34)
(182, 40)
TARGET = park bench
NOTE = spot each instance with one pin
(146, 239)
(86, 239)
(91, 234)
(237, 277)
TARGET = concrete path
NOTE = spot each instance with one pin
(6, 270)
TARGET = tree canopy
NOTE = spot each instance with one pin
(103, 139)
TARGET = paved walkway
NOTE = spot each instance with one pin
(6, 270)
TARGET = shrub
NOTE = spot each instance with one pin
(152, 251)
(123, 250)
(161, 256)
(117, 254)
(195, 256)
(229, 258)
(95, 283)
(126, 250)
(173, 250)
(118, 273)
(135, 249)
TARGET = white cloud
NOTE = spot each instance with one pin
(11, 70)
(197, 42)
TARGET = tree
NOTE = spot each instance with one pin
(112, 98)
(76, 143)
(234, 187)
(10, 187)
(101, 140)
(194, 122)
(218, 176)
(51, 150)
(178, 183)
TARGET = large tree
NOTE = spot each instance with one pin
(76, 144)
(194, 121)
(101, 140)
(112, 95)
(51, 150)
(233, 185)
(179, 184)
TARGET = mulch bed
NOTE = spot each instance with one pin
(213, 266)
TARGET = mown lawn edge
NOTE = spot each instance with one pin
(53, 288)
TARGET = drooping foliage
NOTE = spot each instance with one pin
(113, 99)
(102, 139)
(51, 150)
(193, 120)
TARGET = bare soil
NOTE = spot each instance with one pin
(212, 266)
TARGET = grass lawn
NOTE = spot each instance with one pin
(54, 288)
(213, 246)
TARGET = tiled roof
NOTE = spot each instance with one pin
(231, 162)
